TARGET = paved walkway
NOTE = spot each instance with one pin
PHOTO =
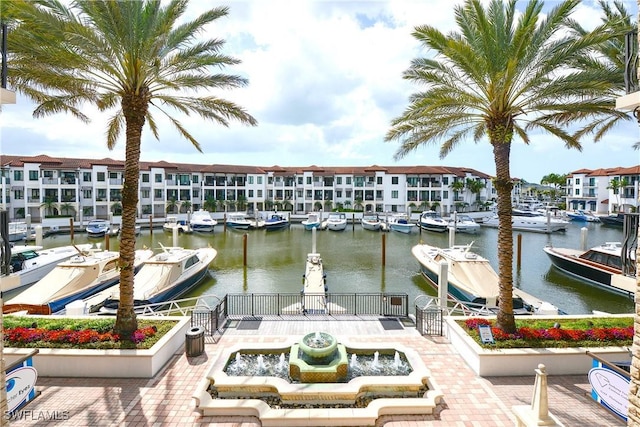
(166, 400)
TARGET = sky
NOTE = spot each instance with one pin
(325, 82)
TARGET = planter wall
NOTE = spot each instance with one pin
(524, 361)
(107, 363)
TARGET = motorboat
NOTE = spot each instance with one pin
(163, 277)
(238, 220)
(172, 222)
(31, 263)
(601, 265)
(201, 221)
(336, 221)
(314, 220)
(472, 281)
(256, 221)
(522, 220)
(18, 230)
(432, 221)
(463, 224)
(276, 222)
(79, 277)
(616, 220)
(100, 228)
(583, 216)
(400, 222)
(370, 221)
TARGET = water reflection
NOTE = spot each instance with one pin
(353, 262)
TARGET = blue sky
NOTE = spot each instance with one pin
(324, 84)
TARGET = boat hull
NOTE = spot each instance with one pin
(601, 276)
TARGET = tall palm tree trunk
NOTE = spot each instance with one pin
(503, 184)
(134, 107)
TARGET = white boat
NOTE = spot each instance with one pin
(600, 265)
(583, 216)
(530, 221)
(400, 222)
(18, 231)
(472, 281)
(238, 220)
(79, 277)
(432, 221)
(370, 221)
(172, 222)
(463, 224)
(31, 263)
(163, 277)
(313, 221)
(201, 221)
(100, 228)
(276, 222)
(336, 221)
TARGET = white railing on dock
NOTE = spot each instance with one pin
(179, 307)
(451, 307)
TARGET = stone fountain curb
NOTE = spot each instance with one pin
(315, 416)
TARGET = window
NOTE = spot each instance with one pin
(47, 174)
(379, 180)
(250, 180)
(394, 181)
(338, 194)
(394, 194)
(145, 194)
(577, 181)
(348, 180)
(445, 180)
(157, 177)
(18, 194)
(157, 194)
(33, 175)
(259, 180)
(339, 180)
(194, 179)
(113, 175)
(309, 182)
(259, 193)
(145, 177)
(250, 192)
(18, 175)
(86, 176)
(100, 176)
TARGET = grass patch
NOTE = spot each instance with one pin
(556, 333)
(84, 334)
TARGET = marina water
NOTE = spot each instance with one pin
(353, 261)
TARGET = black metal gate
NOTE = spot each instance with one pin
(429, 320)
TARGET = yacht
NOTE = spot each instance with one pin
(31, 263)
(370, 221)
(201, 221)
(337, 221)
(432, 221)
(463, 224)
(522, 220)
(600, 265)
(314, 220)
(79, 277)
(238, 220)
(472, 281)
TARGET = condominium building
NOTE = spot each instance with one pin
(41, 185)
(604, 191)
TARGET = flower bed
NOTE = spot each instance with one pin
(105, 363)
(523, 361)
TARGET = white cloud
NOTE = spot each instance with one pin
(324, 83)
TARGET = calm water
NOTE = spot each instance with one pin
(353, 262)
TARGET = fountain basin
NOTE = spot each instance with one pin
(333, 371)
(220, 394)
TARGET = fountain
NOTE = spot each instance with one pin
(359, 383)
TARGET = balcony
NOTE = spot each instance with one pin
(50, 181)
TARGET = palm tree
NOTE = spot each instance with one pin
(210, 204)
(503, 74)
(50, 206)
(125, 57)
(616, 185)
(66, 208)
(185, 205)
(116, 208)
(475, 187)
(172, 205)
